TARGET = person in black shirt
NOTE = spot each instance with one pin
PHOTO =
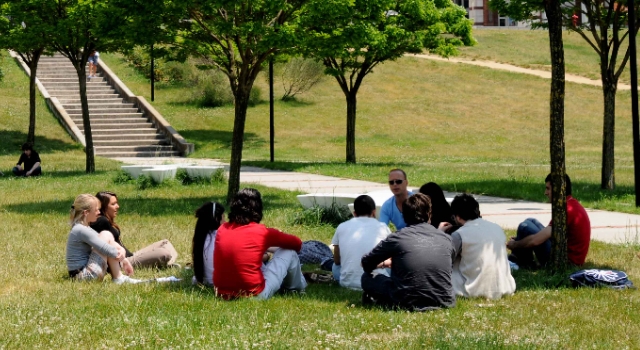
(31, 160)
(420, 257)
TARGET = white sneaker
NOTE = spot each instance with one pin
(125, 279)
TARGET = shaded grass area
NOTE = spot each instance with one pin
(40, 308)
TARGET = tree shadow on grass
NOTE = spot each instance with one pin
(12, 141)
(294, 102)
(220, 137)
(8, 176)
(130, 204)
(295, 166)
(545, 279)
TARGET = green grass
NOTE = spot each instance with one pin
(466, 128)
(530, 49)
(40, 308)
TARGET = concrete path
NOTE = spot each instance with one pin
(511, 68)
(611, 227)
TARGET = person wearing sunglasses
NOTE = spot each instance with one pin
(391, 210)
(158, 254)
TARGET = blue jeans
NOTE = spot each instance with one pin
(17, 172)
(542, 252)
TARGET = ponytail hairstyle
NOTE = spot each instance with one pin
(80, 204)
(209, 218)
(105, 197)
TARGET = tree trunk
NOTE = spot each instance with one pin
(607, 180)
(86, 122)
(558, 193)
(241, 104)
(351, 126)
(33, 67)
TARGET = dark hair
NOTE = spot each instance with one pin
(440, 208)
(105, 197)
(466, 207)
(364, 205)
(246, 207)
(27, 146)
(416, 209)
(400, 170)
(567, 182)
(209, 219)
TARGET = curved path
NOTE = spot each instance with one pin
(606, 226)
(511, 68)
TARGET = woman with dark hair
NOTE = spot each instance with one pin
(240, 245)
(440, 208)
(158, 254)
(210, 217)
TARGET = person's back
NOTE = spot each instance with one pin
(482, 268)
(578, 232)
(355, 238)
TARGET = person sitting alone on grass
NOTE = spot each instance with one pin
(89, 253)
(210, 216)
(391, 210)
(481, 267)
(31, 160)
(422, 259)
(533, 238)
(158, 254)
(355, 238)
(240, 245)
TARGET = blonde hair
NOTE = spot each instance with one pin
(83, 202)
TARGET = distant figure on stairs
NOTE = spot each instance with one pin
(93, 63)
(31, 160)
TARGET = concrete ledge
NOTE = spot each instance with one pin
(159, 174)
(202, 171)
(135, 170)
(151, 113)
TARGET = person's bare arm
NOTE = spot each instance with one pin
(36, 165)
(530, 241)
(336, 254)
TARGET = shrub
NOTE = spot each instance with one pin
(122, 177)
(180, 72)
(140, 59)
(317, 215)
(299, 75)
(143, 182)
(255, 96)
(219, 176)
(215, 90)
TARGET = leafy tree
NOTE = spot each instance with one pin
(521, 9)
(25, 30)
(237, 37)
(606, 31)
(351, 37)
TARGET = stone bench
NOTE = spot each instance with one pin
(135, 170)
(202, 171)
(161, 172)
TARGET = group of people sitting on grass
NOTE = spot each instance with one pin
(438, 252)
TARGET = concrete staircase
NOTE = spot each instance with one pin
(120, 129)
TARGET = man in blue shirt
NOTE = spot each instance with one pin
(391, 210)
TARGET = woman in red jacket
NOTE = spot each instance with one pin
(240, 245)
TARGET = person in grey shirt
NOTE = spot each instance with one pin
(89, 252)
(420, 257)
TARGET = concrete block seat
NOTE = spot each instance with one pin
(135, 170)
(202, 171)
(159, 173)
(326, 199)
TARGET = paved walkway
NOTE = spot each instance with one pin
(511, 68)
(611, 227)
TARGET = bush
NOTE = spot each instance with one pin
(217, 177)
(317, 215)
(255, 96)
(122, 177)
(143, 182)
(215, 90)
(180, 72)
(140, 59)
(299, 75)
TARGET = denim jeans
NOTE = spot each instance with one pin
(542, 252)
(17, 172)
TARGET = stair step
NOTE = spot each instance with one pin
(103, 126)
(92, 93)
(121, 136)
(94, 105)
(76, 99)
(137, 143)
(52, 80)
(76, 85)
(110, 121)
(78, 114)
(138, 154)
(99, 111)
(146, 148)
(123, 131)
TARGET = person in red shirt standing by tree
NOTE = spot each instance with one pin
(239, 247)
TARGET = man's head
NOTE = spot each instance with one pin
(416, 209)
(27, 148)
(547, 185)
(364, 206)
(465, 207)
(398, 182)
(246, 207)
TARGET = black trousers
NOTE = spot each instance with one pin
(36, 172)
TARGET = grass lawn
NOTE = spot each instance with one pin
(530, 49)
(466, 128)
(40, 308)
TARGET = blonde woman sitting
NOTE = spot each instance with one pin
(89, 253)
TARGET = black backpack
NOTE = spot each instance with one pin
(600, 278)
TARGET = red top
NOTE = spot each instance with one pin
(578, 231)
(238, 255)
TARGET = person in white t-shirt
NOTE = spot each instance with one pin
(210, 216)
(355, 238)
